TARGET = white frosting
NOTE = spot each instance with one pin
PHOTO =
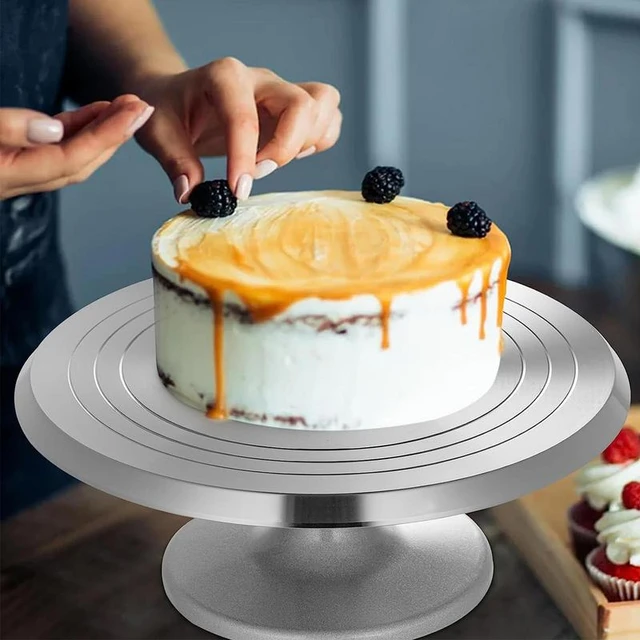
(619, 531)
(284, 366)
(271, 367)
(601, 483)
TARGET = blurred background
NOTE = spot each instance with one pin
(512, 103)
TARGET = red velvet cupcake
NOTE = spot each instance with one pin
(615, 566)
(600, 485)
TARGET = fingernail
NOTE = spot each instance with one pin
(44, 130)
(140, 120)
(180, 188)
(264, 168)
(306, 153)
(243, 188)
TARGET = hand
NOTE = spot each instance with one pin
(255, 118)
(39, 153)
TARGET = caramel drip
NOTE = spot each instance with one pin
(486, 277)
(502, 288)
(502, 292)
(219, 409)
(385, 315)
(464, 286)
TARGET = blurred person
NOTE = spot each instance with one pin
(115, 60)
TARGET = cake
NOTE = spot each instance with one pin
(615, 566)
(321, 310)
(600, 485)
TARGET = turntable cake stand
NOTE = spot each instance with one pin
(333, 535)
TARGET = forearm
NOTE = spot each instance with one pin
(113, 46)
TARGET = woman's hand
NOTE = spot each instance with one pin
(39, 153)
(255, 118)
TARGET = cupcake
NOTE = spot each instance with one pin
(600, 485)
(615, 566)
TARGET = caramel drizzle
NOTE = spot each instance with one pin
(219, 409)
(464, 286)
(483, 302)
(464, 297)
(265, 302)
(385, 315)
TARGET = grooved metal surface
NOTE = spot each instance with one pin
(90, 400)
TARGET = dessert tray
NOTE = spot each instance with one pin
(311, 534)
(537, 525)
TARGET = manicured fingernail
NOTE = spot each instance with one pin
(44, 130)
(243, 188)
(180, 188)
(264, 168)
(141, 120)
(306, 153)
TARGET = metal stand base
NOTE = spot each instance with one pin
(260, 583)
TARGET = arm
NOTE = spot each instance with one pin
(113, 45)
(259, 121)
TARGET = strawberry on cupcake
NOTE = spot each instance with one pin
(615, 566)
(600, 485)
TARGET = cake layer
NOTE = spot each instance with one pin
(320, 310)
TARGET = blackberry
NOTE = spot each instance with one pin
(382, 184)
(213, 199)
(468, 220)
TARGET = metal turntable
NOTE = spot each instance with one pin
(313, 534)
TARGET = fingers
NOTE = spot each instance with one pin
(85, 173)
(296, 113)
(332, 133)
(73, 121)
(76, 157)
(166, 140)
(326, 129)
(308, 121)
(27, 128)
(110, 129)
(232, 96)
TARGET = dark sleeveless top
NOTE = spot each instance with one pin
(33, 290)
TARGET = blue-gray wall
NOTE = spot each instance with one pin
(480, 77)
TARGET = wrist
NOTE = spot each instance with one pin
(147, 74)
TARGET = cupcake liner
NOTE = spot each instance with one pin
(616, 589)
(583, 540)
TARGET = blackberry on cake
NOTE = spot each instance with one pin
(468, 220)
(213, 199)
(382, 184)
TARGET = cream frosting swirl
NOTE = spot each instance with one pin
(619, 531)
(601, 483)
